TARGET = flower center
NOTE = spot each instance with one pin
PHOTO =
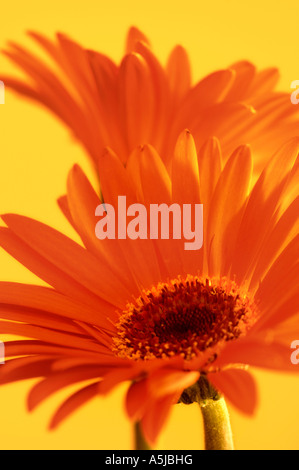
(183, 317)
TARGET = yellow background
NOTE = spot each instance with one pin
(36, 153)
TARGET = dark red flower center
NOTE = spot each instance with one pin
(183, 317)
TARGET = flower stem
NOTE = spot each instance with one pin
(218, 434)
(140, 442)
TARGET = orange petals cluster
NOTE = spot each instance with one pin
(140, 101)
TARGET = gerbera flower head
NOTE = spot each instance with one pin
(183, 317)
(141, 101)
(147, 311)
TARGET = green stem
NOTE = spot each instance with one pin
(140, 442)
(218, 434)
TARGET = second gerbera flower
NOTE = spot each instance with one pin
(140, 101)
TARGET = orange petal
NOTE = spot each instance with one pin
(115, 377)
(185, 173)
(136, 400)
(139, 254)
(281, 280)
(136, 100)
(244, 76)
(69, 257)
(285, 310)
(264, 82)
(25, 368)
(73, 403)
(166, 382)
(186, 190)
(114, 179)
(238, 386)
(134, 36)
(51, 301)
(64, 207)
(75, 60)
(161, 95)
(210, 167)
(107, 119)
(256, 351)
(38, 318)
(82, 201)
(283, 232)
(51, 91)
(155, 417)
(34, 347)
(57, 381)
(223, 120)
(151, 168)
(179, 73)
(47, 271)
(50, 336)
(228, 199)
(208, 91)
(266, 196)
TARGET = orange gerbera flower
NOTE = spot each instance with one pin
(140, 101)
(148, 311)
